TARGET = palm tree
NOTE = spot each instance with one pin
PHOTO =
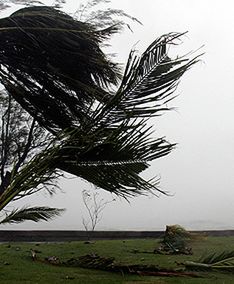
(54, 67)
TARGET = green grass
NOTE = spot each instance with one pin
(16, 265)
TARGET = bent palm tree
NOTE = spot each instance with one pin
(53, 66)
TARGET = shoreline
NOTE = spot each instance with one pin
(72, 235)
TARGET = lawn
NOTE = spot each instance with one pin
(17, 266)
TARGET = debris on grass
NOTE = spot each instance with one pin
(94, 261)
(175, 241)
(53, 260)
(223, 261)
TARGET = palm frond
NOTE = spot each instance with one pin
(148, 84)
(217, 261)
(113, 158)
(108, 159)
(150, 80)
(60, 71)
(34, 214)
(61, 77)
(218, 258)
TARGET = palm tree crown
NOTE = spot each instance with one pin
(54, 67)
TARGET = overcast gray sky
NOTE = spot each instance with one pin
(199, 174)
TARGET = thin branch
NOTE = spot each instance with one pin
(26, 147)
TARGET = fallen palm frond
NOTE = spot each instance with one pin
(215, 261)
(34, 214)
(94, 261)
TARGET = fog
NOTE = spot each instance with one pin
(199, 173)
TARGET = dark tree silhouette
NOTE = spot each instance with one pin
(21, 138)
(54, 67)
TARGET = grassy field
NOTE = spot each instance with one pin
(17, 266)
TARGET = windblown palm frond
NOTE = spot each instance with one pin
(34, 214)
(54, 67)
(149, 81)
(113, 158)
(112, 163)
(148, 84)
